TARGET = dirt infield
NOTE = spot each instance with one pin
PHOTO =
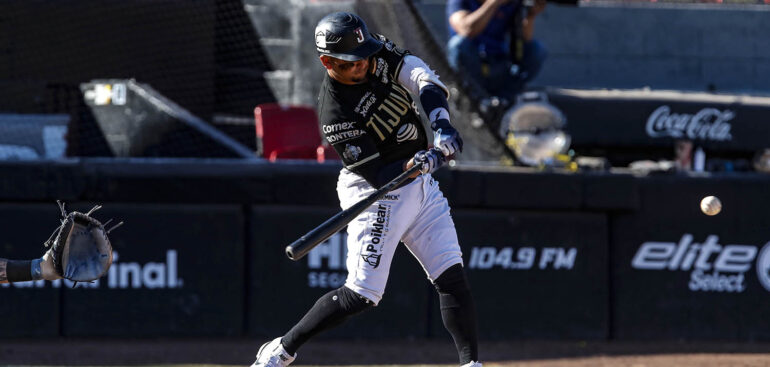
(80, 352)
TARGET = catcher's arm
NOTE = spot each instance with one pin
(78, 250)
(12, 271)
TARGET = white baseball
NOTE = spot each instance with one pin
(710, 205)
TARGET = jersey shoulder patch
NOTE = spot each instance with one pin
(389, 59)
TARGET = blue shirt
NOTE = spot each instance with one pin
(494, 38)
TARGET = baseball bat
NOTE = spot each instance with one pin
(299, 248)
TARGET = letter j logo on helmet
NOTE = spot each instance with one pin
(344, 36)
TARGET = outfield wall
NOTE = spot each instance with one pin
(549, 255)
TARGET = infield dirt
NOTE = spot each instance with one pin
(370, 353)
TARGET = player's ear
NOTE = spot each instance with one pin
(326, 61)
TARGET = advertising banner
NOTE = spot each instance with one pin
(680, 274)
(536, 274)
(639, 118)
(282, 291)
(177, 271)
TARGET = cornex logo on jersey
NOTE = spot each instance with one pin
(341, 132)
(342, 126)
(344, 136)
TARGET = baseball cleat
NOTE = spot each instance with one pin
(472, 364)
(272, 354)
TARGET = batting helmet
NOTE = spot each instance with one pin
(345, 36)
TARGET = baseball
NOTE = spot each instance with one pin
(710, 205)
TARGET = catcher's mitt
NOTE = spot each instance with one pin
(80, 248)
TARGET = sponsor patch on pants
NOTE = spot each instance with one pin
(372, 251)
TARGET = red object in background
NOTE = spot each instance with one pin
(290, 132)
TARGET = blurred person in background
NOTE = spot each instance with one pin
(491, 41)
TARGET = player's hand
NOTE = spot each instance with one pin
(47, 268)
(446, 137)
(430, 160)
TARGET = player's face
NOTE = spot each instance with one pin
(346, 72)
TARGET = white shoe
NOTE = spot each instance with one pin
(272, 354)
(472, 364)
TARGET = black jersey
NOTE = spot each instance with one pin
(374, 126)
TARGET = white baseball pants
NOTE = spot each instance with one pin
(416, 214)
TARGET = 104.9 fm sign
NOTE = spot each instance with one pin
(713, 267)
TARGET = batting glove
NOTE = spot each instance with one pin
(430, 160)
(446, 137)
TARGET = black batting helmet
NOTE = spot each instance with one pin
(345, 36)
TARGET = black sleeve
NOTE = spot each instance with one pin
(431, 98)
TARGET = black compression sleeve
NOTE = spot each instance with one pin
(431, 98)
(329, 311)
(19, 270)
(459, 312)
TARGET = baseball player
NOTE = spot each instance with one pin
(367, 114)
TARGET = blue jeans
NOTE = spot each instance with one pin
(500, 80)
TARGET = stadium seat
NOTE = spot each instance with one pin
(290, 132)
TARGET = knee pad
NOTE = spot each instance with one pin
(452, 281)
(350, 301)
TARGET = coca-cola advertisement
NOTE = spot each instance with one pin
(706, 124)
(624, 126)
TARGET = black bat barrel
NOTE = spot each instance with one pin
(299, 248)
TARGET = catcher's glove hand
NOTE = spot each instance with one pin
(79, 248)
